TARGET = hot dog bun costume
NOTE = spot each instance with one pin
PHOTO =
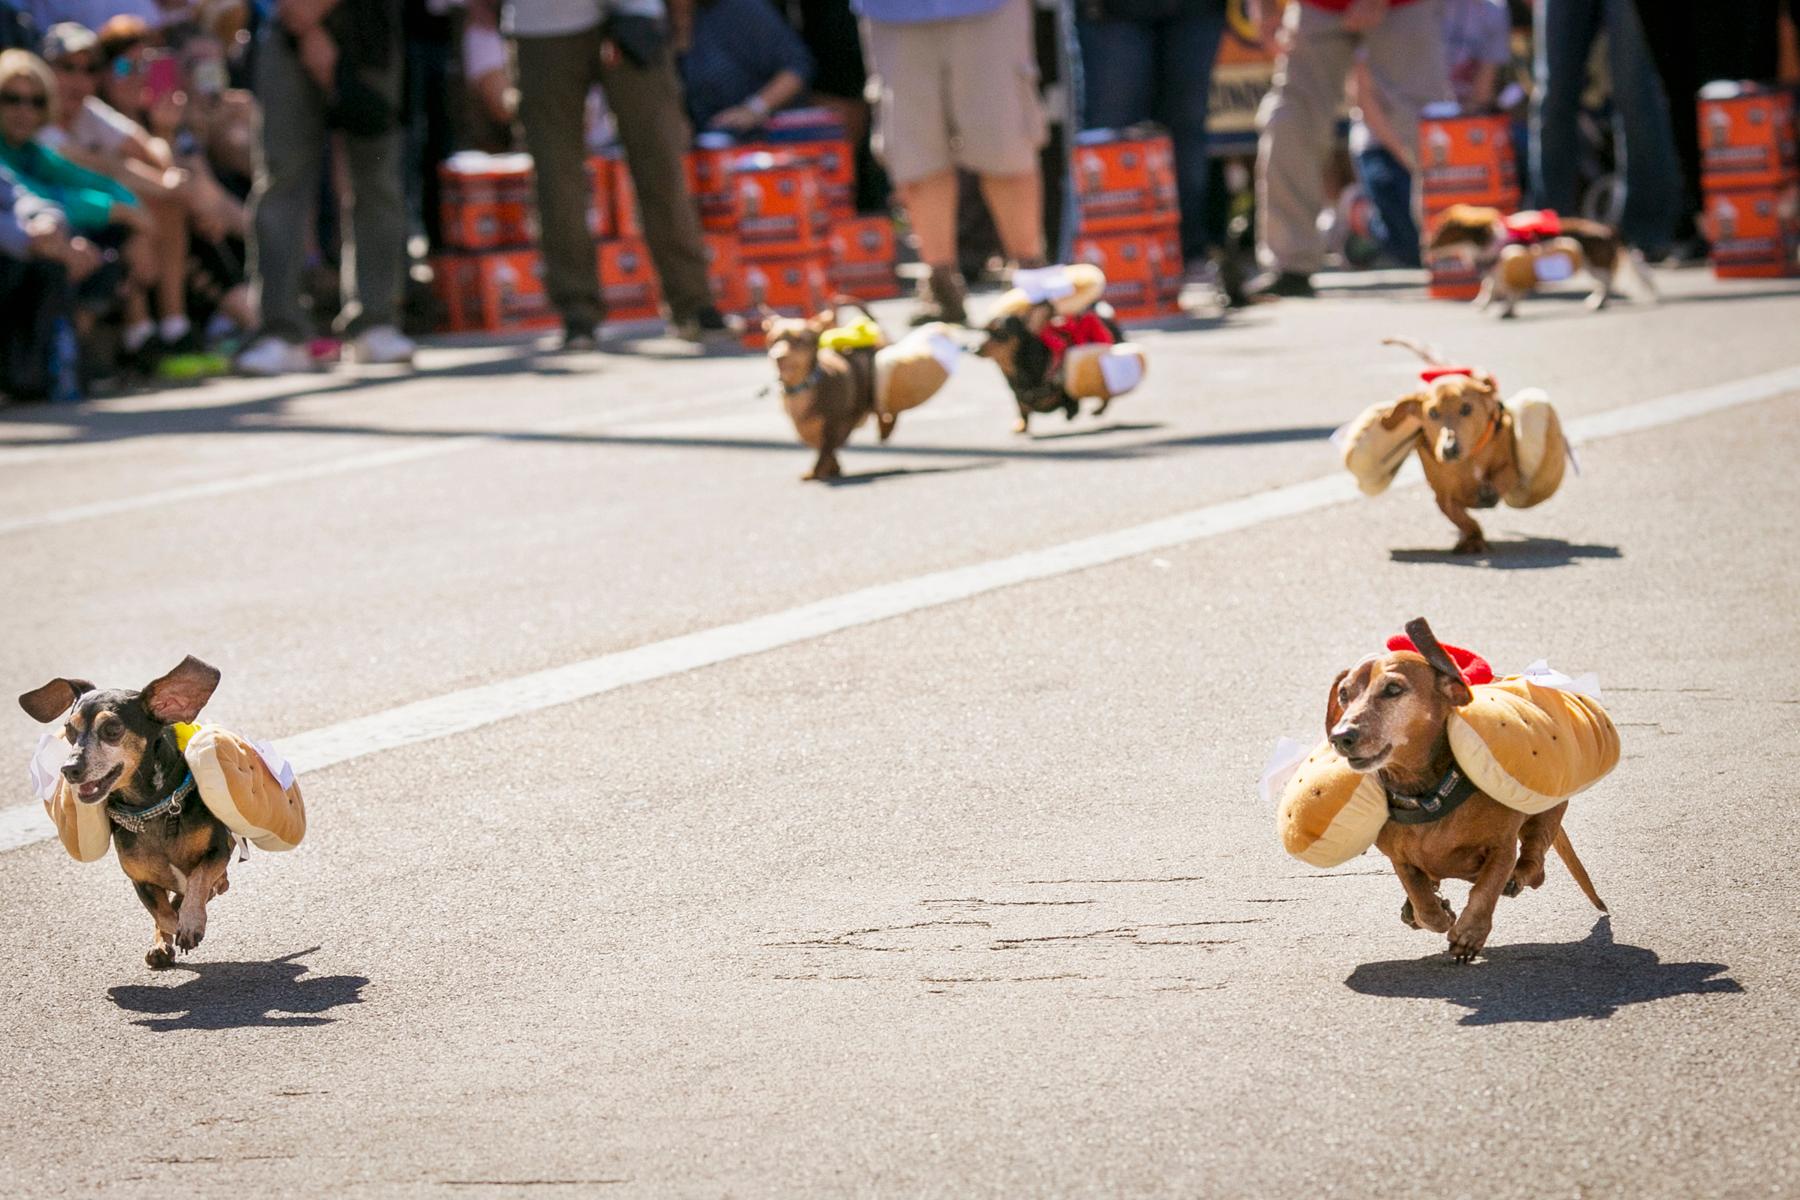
(236, 779)
(1376, 443)
(1528, 741)
(1070, 289)
(910, 372)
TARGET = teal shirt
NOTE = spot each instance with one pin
(86, 196)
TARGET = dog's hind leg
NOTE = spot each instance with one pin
(884, 425)
(162, 950)
(1023, 424)
(1601, 294)
(1534, 843)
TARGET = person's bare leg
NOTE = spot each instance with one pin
(1017, 205)
(931, 208)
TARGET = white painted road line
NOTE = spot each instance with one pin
(472, 708)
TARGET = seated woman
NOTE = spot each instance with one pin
(745, 62)
(96, 208)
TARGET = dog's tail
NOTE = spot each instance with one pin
(1566, 852)
(1428, 353)
(843, 301)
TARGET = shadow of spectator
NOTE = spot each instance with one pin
(239, 995)
(1539, 982)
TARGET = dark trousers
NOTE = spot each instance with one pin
(1643, 139)
(554, 76)
(1389, 187)
(37, 294)
(429, 139)
(1158, 71)
(1734, 39)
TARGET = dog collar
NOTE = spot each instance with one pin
(1488, 435)
(134, 819)
(1435, 805)
(811, 381)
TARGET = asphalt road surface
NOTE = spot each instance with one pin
(679, 829)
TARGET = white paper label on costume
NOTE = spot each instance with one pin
(1553, 268)
(46, 763)
(1341, 435)
(1044, 283)
(1120, 370)
(1284, 760)
(945, 349)
(279, 767)
(1545, 675)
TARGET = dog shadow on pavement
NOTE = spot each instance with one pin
(1523, 554)
(864, 477)
(239, 995)
(1543, 981)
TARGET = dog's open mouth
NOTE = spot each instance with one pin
(96, 789)
(1368, 762)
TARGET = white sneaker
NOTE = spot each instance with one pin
(383, 345)
(270, 355)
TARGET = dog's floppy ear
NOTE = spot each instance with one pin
(182, 693)
(1487, 383)
(1449, 675)
(1037, 316)
(1407, 408)
(54, 698)
(1334, 708)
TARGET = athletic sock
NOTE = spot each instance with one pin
(173, 329)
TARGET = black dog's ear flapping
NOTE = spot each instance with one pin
(182, 693)
(47, 703)
(1450, 677)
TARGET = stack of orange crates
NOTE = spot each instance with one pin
(489, 277)
(628, 282)
(1749, 175)
(1128, 217)
(1465, 158)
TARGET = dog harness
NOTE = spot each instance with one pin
(1532, 226)
(135, 819)
(1083, 329)
(1435, 805)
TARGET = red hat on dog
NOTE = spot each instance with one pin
(1474, 668)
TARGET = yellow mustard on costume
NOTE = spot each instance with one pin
(862, 334)
(1528, 746)
(233, 782)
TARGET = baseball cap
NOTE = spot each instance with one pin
(65, 38)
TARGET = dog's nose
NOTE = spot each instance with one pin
(1448, 450)
(72, 770)
(1344, 739)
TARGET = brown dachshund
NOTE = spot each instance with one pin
(1465, 446)
(1388, 716)
(171, 846)
(827, 394)
(1564, 246)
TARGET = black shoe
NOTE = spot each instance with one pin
(941, 296)
(578, 339)
(1289, 285)
(707, 325)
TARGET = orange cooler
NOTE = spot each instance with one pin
(1747, 136)
(496, 291)
(780, 214)
(1124, 181)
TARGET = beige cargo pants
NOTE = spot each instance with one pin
(1298, 118)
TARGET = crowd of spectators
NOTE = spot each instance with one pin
(191, 186)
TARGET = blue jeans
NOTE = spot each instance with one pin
(1644, 139)
(1389, 186)
(1158, 71)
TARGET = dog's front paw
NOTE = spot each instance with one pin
(159, 958)
(1472, 543)
(1468, 937)
(189, 934)
(1021, 426)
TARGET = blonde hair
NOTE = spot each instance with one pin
(23, 64)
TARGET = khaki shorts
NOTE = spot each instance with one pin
(956, 93)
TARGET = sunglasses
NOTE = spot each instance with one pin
(24, 100)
